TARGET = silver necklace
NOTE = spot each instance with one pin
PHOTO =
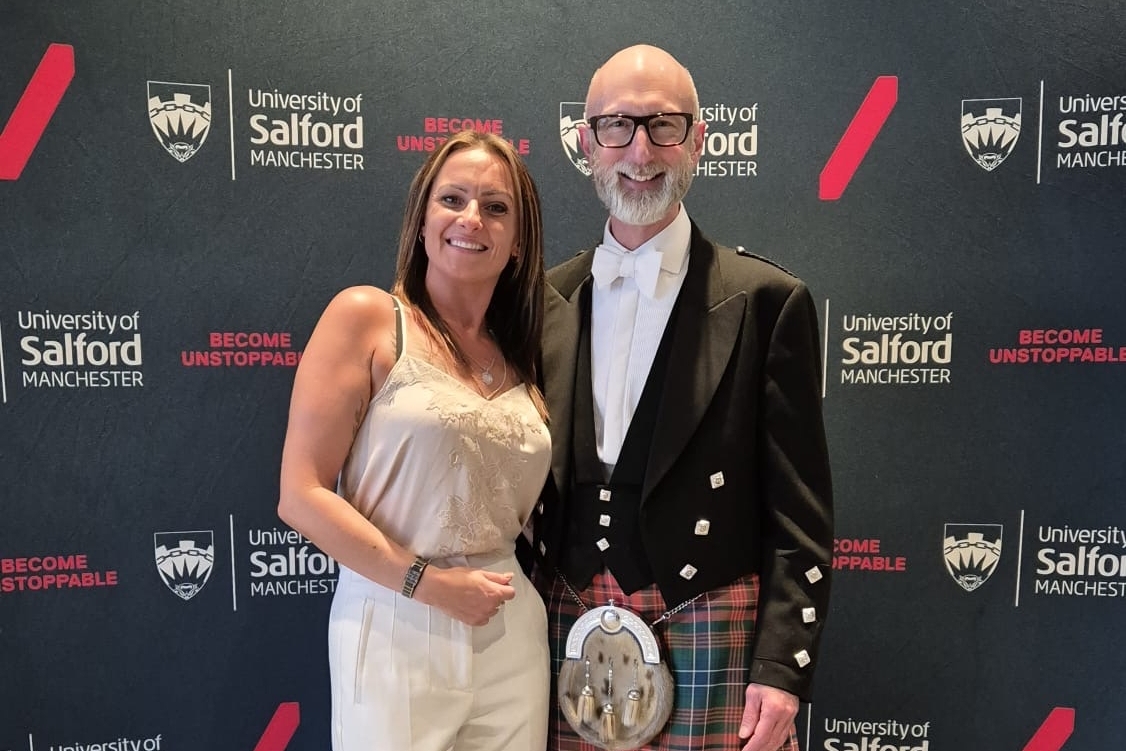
(494, 392)
(486, 375)
(486, 372)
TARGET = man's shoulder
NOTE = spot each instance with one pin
(566, 276)
(748, 256)
(749, 268)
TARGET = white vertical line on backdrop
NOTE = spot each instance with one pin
(3, 378)
(825, 355)
(808, 724)
(30, 743)
(234, 589)
(231, 118)
(1040, 132)
(1020, 557)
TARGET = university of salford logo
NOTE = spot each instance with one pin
(180, 115)
(990, 129)
(971, 552)
(570, 115)
(184, 560)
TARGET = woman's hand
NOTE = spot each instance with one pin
(472, 596)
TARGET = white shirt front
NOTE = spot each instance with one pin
(626, 329)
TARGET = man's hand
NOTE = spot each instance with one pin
(767, 717)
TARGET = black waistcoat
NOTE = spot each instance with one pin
(603, 527)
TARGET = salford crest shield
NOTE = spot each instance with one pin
(180, 115)
(971, 553)
(990, 129)
(184, 560)
(570, 116)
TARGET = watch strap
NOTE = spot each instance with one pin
(414, 576)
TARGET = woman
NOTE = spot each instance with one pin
(415, 451)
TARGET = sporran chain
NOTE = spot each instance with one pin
(663, 617)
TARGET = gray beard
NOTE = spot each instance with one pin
(640, 209)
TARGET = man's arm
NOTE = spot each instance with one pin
(797, 504)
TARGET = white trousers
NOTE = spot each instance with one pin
(407, 677)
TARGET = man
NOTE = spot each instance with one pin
(690, 479)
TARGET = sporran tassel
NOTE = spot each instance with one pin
(586, 706)
(609, 730)
(585, 710)
(632, 711)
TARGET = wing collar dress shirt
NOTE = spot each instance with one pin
(633, 296)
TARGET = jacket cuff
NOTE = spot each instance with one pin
(796, 680)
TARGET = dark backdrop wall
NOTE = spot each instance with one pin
(183, 187)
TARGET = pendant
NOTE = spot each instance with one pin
(486, 378)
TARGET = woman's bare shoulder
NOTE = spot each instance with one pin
(362, 307)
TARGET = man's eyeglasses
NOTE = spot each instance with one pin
(663, 129)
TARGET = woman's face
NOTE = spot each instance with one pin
(471, 219)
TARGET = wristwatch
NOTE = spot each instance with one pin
(414, 575)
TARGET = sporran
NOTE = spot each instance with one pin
(614, 689)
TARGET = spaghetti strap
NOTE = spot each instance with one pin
(400, 329)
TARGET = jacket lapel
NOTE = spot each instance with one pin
(706, 331)
(560, 356)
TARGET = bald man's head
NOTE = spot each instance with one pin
(638, 71)
(645, 140)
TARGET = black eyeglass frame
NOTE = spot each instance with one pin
(641, 121)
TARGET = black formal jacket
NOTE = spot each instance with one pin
(739, 442)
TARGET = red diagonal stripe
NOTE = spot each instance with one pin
(1054, 732)
(281, 728)
(34, 109)
(866, 123)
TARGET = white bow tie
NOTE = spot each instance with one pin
(610, 263)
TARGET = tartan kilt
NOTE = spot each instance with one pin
(706, 646)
